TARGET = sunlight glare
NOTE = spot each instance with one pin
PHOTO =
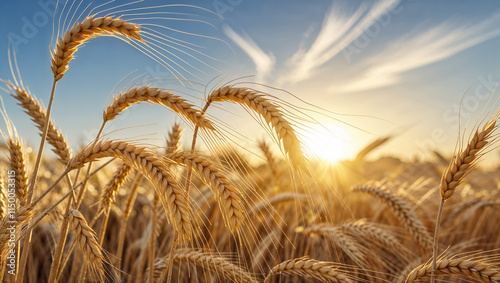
(329, 142)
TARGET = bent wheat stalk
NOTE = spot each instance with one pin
(61, 56)
(273, 116)
(173, 198)
(309, 267)
(90, 28)
(158, 96)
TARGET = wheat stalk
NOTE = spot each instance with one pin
(87, 241)
(173, 198)
(309, 267)
(228, 197)
(273, 116)
(18, 164)
(112, 187)
(372, 232)
(403, 211)
(158, 96)
(219, 265)
(81, 32)
(469, 268)
(35, 110)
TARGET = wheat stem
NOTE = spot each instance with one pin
(27, 240)
(435, 245)
(187, 185)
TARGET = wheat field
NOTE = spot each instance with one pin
(199, 209)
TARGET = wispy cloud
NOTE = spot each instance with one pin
(339, 29)
(421, 49)
(264, 62)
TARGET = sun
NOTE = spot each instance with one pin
(330, 143)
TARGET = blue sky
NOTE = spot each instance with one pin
(391, 66)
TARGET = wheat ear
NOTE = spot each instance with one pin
(18, 164)
(345, 242)
(309, 267)
(404, 213)
(81, 32)
(372, 232)
(207, 261)
(87, 241)
(370, 147)
(158, 96)
(174, 139)
(228, 197)
(112, 187)
(264, 147)
(271, 113)
(173, 198)
(463, 162)
(469, 268)
(34, 109)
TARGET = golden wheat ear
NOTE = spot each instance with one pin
(3, 199)
(272, 114)
(34, 109)
(342, 240)
(158, 96)
(320, 270)
(459, 267)
(401, 209)
(463, 162)
(172, 196)
(89, 28)
(228, 197)
(18, 164)
(220, 266)
(112, 187)
(87, 241)
(174, 139)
